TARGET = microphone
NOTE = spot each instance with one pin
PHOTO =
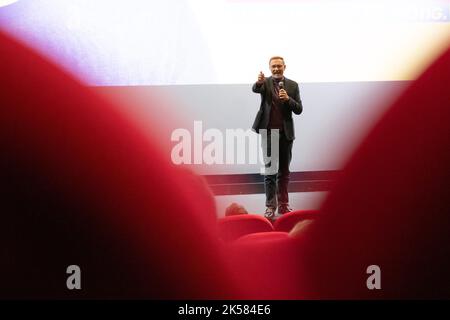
(281, 85)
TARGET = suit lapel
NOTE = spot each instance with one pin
(270, 87)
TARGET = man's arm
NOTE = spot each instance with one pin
(258, 87)
(295, 103)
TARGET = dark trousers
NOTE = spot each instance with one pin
(276, 185)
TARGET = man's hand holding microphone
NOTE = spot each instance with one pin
(282, 94)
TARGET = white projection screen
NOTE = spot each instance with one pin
(200, 57)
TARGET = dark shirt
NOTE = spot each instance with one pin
(276, 117)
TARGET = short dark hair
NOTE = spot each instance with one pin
(276, 57)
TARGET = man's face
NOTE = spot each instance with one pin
(277, 68)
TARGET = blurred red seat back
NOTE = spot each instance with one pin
(232, 227)
(288, 220)
(81, 185)
(264, 266)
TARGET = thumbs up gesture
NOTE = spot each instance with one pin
(261, 78)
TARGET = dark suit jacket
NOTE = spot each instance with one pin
(293, 105)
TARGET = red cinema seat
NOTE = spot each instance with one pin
(81, 185)
(288, 220)
(263, 237)
(264, 267)
(233, 227)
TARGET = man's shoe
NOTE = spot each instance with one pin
(270, 213)
(284, 209)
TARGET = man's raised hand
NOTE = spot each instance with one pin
(261, 78)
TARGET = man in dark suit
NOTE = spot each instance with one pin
(280, 97)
